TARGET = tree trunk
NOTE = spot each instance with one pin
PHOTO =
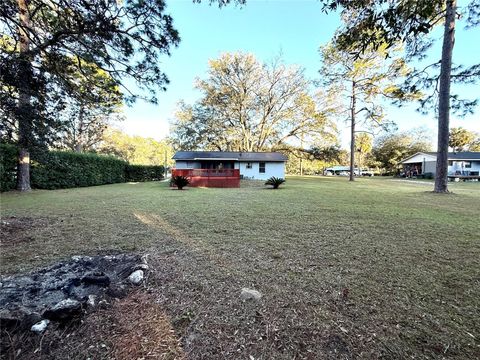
(23, 170)
(441, 176)
(78, 147)
(80, 138)
(24, 110)
(352, 139)
(301, 156)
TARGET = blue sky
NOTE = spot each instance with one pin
(294, 28)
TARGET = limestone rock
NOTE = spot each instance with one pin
(141, 267)
(250, 294)
(40, 326)
(136, 277)
(91, 300)
(63, 310)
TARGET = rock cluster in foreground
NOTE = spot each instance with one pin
(65, 290)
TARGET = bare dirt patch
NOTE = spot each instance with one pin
(16, 230)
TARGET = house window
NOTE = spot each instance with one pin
(249, 165)
(468, 164)
(450, 162)
(261, 169)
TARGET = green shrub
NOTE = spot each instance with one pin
(64, 169)
(428, 175)
(8, 166)
(179, 181)
(144, 172)
(275, 182)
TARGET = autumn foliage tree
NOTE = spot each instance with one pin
(363, 147)
(250, 106)
(461, 139)
(392, 147)
(136, 150)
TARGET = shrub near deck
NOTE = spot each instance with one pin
(370, 269)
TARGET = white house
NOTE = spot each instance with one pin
(252, 165)
(465, 163)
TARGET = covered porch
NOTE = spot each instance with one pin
(420, 164)
(413, 169)
(216, 164)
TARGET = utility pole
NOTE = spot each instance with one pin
(165, 164)
(352, 139)
(301, 158)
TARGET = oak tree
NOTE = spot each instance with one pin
(392, 147)
(461, 139)
(136, 149)
(250, 106)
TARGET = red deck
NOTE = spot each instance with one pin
(221, 178)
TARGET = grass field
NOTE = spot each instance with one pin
(372, 269)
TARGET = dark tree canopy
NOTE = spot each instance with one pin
(125, 39)
(374, 23)
(44, 42)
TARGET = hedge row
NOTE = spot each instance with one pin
(144, 172)
(8, 166)
(63, 169)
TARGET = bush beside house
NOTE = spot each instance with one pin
(64, 169)
(179, 181)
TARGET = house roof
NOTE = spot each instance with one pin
(229, 155)
(462, 155)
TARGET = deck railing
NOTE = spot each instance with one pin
(210, 177)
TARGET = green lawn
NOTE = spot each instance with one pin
(374, 268)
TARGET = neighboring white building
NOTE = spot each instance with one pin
(465, 163)
(252, 165)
